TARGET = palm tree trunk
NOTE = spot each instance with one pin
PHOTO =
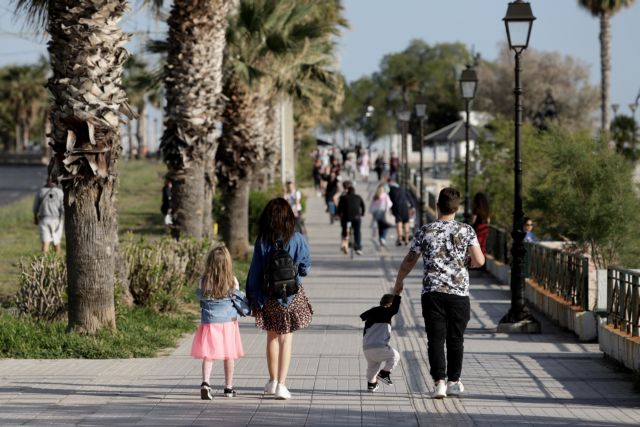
(18, 135)
(605, 67)
(141, 130)
(86, 145)
(91, 225)
(187, 195)
(129, 153)
(207, 206)
(193, 83)
(234, 224)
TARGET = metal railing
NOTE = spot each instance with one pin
(498, 243)
(623, 300)
(564, 274)
(432, 200)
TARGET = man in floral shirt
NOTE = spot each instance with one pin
(445, 245)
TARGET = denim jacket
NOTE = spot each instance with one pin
(218, 310)
(299, 251)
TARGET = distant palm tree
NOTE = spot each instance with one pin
(193, 84)
(142, 87)
(23, 92)
(605, 9)
(87, 100)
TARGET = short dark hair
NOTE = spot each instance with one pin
(386, 300)
(348, 187)
(448, 201)
(277, 221)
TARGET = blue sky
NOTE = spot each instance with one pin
(379, 27)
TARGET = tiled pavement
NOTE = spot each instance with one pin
(547, 379)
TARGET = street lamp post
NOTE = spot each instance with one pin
(518, 22)
(615, 108)
(421, 113)
(633, 108)
(468, 86)
(403, 117)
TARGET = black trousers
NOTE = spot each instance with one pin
(445, 318)
(355, 227)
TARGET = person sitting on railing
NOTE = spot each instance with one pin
(528, 228)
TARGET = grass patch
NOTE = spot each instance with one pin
(141, 333)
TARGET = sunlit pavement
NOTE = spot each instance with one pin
(547, 379)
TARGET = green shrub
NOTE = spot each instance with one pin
(158, 271)
(43, 284)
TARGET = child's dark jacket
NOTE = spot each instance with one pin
(377, 327)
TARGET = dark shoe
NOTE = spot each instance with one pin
(406, 242)
(205, 391)
(229, 392)
(398, 243)
(371, 387)
(385, 377)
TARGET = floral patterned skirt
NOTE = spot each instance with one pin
(276, 318)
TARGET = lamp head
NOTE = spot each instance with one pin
(518, 21)
(468, 83)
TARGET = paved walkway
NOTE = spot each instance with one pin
(548, 379)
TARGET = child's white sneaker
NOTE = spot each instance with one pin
(270, 387)
(441, 390)
(455, 388)
(282, 393)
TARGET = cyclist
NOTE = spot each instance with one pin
(351, 209)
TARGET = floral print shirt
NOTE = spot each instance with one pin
(443, 245)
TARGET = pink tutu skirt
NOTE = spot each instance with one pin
(220, 341)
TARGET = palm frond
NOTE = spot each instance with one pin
(36, 11)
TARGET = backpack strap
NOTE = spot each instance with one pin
(278, 245)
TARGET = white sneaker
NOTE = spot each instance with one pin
(270, 387)
(455, 389)
(282, 393)
(441, 390)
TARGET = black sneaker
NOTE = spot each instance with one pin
(371, 387)
(398, 243)
(205, 391)
(229, 392)
(385, 377)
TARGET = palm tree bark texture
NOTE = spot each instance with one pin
(241, 149)
(87, 57)
(193, 77)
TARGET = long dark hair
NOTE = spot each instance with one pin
(481, 208)
(277, 221)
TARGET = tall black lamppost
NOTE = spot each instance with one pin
(615, 108)
(403, 117)
(633, 108)
(421, 113)
(518, 22)
(468, 86)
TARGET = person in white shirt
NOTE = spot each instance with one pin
(48, 215)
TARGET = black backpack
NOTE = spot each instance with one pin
(280, 274)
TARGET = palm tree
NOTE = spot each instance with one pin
(605, 9)
(265, 40)
(22, 90)
(142, 87)
(87, 101)
(193, 84)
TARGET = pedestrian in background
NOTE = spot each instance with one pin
(48, 215)
(445, 245)
(165, 208)
(480, 219)
(402, 210)
(380, 208)
(528, 228)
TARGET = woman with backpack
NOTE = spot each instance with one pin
(274, 288)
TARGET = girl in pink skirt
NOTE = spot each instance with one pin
(218, 336)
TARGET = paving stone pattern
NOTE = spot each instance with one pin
(511, 380)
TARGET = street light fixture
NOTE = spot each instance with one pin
(518, 22)
(615, 108)
(403, 117)
(468, 87)
(421, 113)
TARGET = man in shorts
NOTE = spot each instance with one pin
(447, 247)
(48, 214)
